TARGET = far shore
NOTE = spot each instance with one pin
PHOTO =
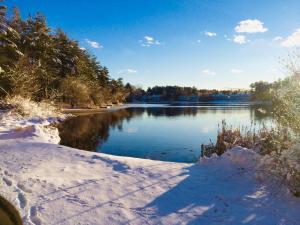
(81, 111)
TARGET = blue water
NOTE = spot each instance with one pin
(160, 132)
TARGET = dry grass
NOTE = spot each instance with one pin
(27, 107)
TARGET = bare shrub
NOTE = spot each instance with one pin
(74, 92)
(229, 137)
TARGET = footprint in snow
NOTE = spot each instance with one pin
(116, 165)
(33, 216)
(79, 155)
(7, 173)
(22, 200)
(23, 188)
(7, 181)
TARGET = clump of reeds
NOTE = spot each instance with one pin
(229, 137)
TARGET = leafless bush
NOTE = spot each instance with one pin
(74, 91)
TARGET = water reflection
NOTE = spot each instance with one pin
(170, 133)
(88, 131)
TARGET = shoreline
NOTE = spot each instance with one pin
(82, 111)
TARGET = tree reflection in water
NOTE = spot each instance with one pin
(89, 132)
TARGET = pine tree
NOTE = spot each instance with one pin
(9, 51)
(65, 54)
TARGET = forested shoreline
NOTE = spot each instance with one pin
(188, 94)
(43, 64)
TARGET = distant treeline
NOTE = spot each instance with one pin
(265, 91)
(176, 93)
(39, 63)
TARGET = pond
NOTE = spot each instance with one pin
(159, 132)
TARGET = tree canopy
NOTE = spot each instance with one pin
(38, 62)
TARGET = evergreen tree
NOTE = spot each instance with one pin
(9, 51)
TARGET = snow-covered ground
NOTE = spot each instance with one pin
(53, 184)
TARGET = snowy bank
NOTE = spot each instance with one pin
(31, 121)
(53, 184)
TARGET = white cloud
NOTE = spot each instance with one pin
(277, 38)
(236, 71)
(240, 39)
(93, 44)
(250, 26)
(82, 48)
(128, 71)
(293, 40)
(210, 34)
(209, 72)
(198, 41)
(131, 70)
(148, 41)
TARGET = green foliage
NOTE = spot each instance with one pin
(8, 37)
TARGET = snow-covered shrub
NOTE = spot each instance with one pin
(27, 107)
(283, 158)
(291, 160)
(285, 167)
(279, 154)
(274, 140)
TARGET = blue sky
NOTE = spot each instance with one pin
(208, 44)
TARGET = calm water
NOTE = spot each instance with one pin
(160, 132)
